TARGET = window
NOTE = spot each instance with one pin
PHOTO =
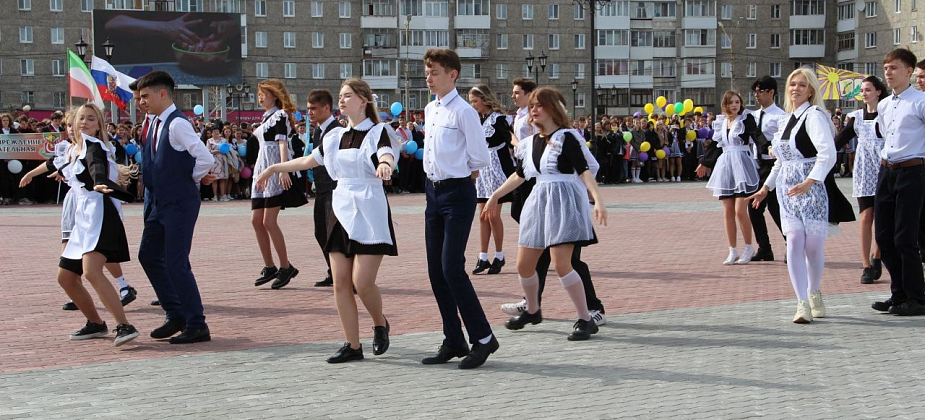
(846, 11)
(579, 41)
(28, 97)
(288, 39)
(55, 5)
(642, 10)
(436, 8)
(25, 34)
(915, 34)
(317, 70)
(501, 71)
(663, 39)
(528, 41)
(725, 12)
(619, 67)
(343, 10)
(472, 38)
(872, 68)
(752, 13)
(553, 12)
(378, 67)
(699, 66)
(471, 71)
(807, 37)
(774, 69)
(527, 12)
(57, 35)
(24, 5)
(615, 8)
(752, 41)
(579, 71)
(289, 70)
(579, 12)
(725, 70)
(346, 41)
(897, 36)
(317, 39)
(86, 5)
(186, 5)
(472, 7)
(871, 9)
(751, 69)
(132, 4)
(699, 37)
(553, 41)
(58, 99)
(640, 38)
(775, 11)
(663, 67)
(664, 9)
(897, 6)
(501, 12)
(262, 70)
(641, 67)
(439, 39)
(317, 9)
(346, 70)
(699, 8)
(260, 8)
(613, 37)
(288, 9)
(501, 42)
(580, 100)
(845, 42)
(724, 42)
(870, 40)
(260, 39)
(27, 67)
(807, 7)
(775, 40)
(554, 71)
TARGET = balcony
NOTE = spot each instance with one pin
(472, 43)
(612, 22)
(472, 22)
(379, 22)
(807, 51)
(382, 82)
(807, 22)
(698, 51)
(847, 25)
(604, 52)
(699, 22)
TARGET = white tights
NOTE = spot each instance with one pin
(805, 261)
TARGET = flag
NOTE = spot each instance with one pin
(82, 85)
(112, 85)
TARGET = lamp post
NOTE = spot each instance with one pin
(81, 48)
(574, 95)
(107, 49)
(540, 68)
(591, 6)
(732, 51)
(238, 92)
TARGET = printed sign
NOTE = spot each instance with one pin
(31, 146)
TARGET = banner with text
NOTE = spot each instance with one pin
(31, 146)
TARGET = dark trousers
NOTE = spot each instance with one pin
(448, 220)
(164, 255)
(542, 267)
(897, 219)
(322, 210)
(759, 225)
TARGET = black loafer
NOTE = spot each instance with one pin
(69, 306)
(170, 327)
(908, 308)
(481, 266)
(327, 282)
(496, 266)
(155, 303)
(479, 354)
(884, 306)
(267, 274)
(445, 354)
(284, 276)
(346, 354)
(192, 335)
(876, 266)
(519, 321)
(381, 338)
(583, 330)
(763, 255)
(867, 276)
(130, 295)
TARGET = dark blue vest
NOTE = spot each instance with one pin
(169, 172)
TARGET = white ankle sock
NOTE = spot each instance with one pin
(120, 281)
(499, 255)
(486, 339)
(483, 256)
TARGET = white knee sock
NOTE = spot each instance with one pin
(531, 286)
(572, 284)
(815, 261)
(796, 263)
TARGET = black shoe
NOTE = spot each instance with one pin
(346, 354)
(583, 330)
(129, 296)
(170, 327)
(284, 276)
(481, 266)
(479, 354)
(267, 274)
(908, 308)
(496, 266)
(867, 276)
(381, 338)
(877, 268)
(155, 303)
(884, 306)
(523, 318)
(763, 255)
(91, 330)
(192, 335)
(69, 306)
(124, 334)
(445, 354)
(327, 282)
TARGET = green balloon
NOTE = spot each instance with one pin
(678, 107)
(627, 136)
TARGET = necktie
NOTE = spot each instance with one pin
(157, 123)
(144, 132)
(761, 120)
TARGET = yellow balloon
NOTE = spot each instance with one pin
(688, 105)
(660, 154)
(682, 113)
(699, 109)
(588, 144)
(670, 111)
(651, 116)
(661, 101)
(649, 108)
(691, 135)
(645, 146)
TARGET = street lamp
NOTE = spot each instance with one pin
(732, 52)
(107, 49)
(238, 92)
(613, 96)
(81, 48)
(539, 69)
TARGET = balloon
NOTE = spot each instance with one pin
(14, 166)
(643, 157)
(667, 150)
(645, 146)
(131, 149)
(138, 157)
(411, 147)
(678, 107)
(669, 110)
(419, 154)
(627, 136)
(396, 108)
(298, 116)
(637, 114)
(659, 154)
(242, 150)
(661, 101)
(246, 172)
(198, 110)
(691, 135)
(688, 105)
(651, 116)
(588, 143)
(682, 113)
(225, 148)
(698, 110)
(649, 108)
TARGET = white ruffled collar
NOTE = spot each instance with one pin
(365, 125)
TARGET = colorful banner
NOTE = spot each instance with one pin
(837, 84)
(31, 146)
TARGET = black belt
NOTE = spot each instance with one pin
(449, 182)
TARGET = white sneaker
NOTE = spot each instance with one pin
(746, 256)
(731, 259)
(804, 314)
(816, 305)
(514, 308)
(598, 317)
(637, 181)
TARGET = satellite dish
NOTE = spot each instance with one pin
(239, 87)
(861, 6)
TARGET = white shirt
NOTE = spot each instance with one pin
(521, 128)
(902, 121)
(183, 137)
(454, 141)
(769, 124)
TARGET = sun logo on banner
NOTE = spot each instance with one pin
(837, 84)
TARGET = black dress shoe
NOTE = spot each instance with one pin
(445, 354)
(763, 255)
(192, 335)
(884, 306)
(381, 338)
(877, 268)
(479, 354)
(523, 318)
(481, 266)
(130, 295)
(170, 327)
(496, 266)
(69, 306)
(327, 282)
(583, 330)
(267, 274)
(867, 276)
(284, 276)
(155, 303)
(346, 354)
(908, 308)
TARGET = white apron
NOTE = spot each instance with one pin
(88, 215)
(267, 155)
(867, 156)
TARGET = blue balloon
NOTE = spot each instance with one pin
(419, 154)
(242, 150)
(396, 108)
(225, 148)
(411, 147)
(131, 149)
(198, 109)
(138, 158)
(298, 116)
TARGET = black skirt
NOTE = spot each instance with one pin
(112, 244)
(293, 197)
(339, 241)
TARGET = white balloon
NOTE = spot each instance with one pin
(14, 166)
